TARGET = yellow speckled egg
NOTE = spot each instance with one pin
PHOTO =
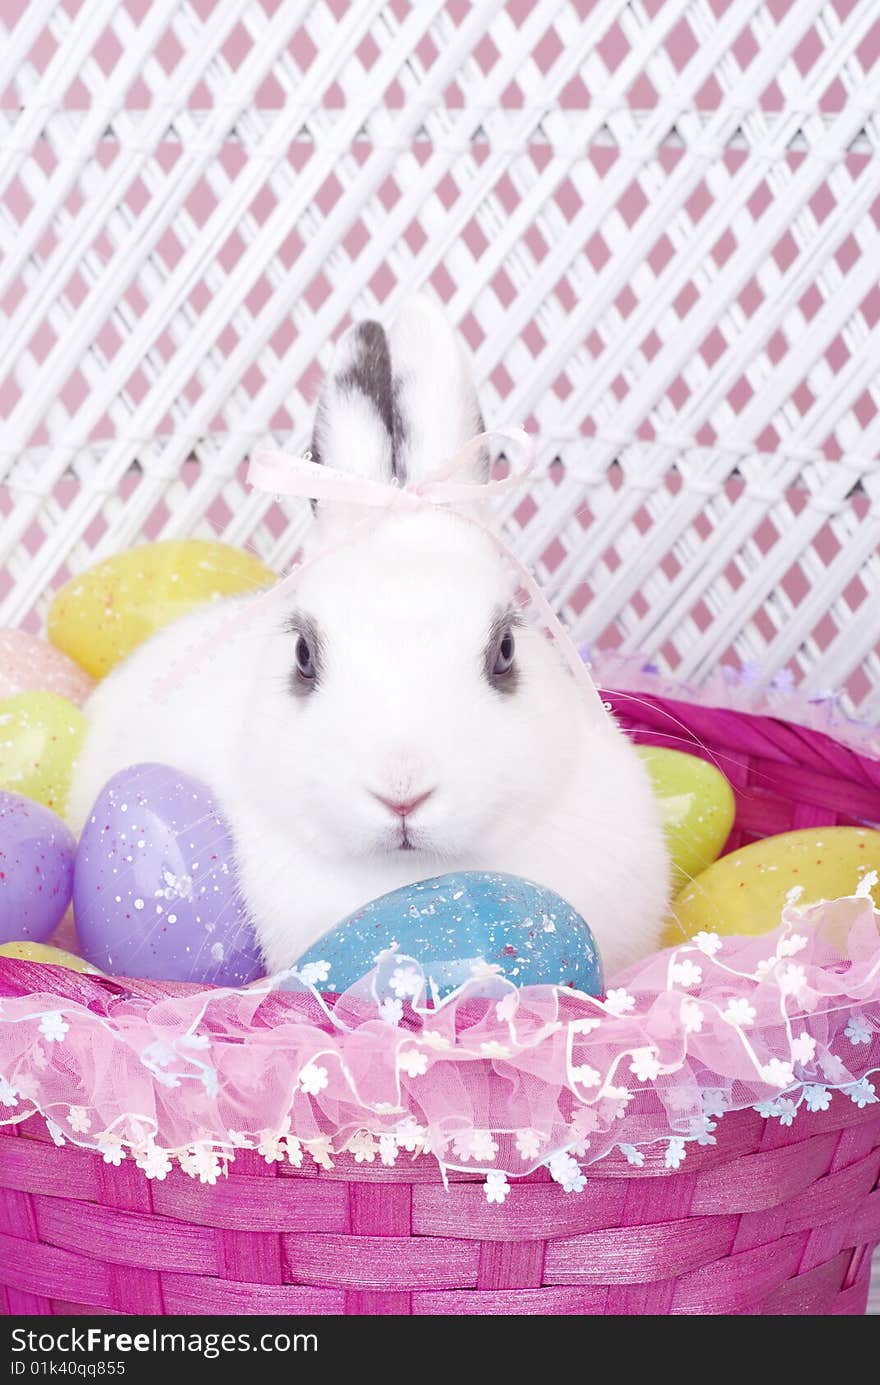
(51, 956)
(696, 806)
(40, 738)
(101, 616)
(745, 891)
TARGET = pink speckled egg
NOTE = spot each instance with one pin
(29, 664)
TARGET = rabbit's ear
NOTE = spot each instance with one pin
(435, 404)
(355, 419)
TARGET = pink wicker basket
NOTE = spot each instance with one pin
(770, 1220)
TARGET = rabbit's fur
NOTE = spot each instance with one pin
(402, 625)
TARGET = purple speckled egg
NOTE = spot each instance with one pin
(154, 890)
(36, 869)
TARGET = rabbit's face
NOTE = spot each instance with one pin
(405, 707)
(401, 707)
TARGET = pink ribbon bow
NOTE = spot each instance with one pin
(282, 474)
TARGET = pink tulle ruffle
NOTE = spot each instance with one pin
(494, 1079)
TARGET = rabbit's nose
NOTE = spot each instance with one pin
(404, 806)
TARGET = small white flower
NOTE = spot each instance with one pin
(619, 1002)
(493, 1049)
(644, 1064)
(566, 1171)
(363, 1147)
(687, 973)
(56, 1132)
(294, 1150)
(496, 1186)
(766, 1108)
(112, 1150)
(786, 1110)
(528, 1143)
(405, 981)
(483, 1146)
(863, 1093)
(713, 1102)
(777, 1073)
(313, 972)
(709, 943)
(585, 1076)
(413, 1062)
(633, 1156)
(434, 1039)
(388, 1149)
(80, 1119)
(313, 1079)
(832, 1067)
(740, 1012)
(792, 980)
(803, 1048)
(584, 1119)
(506, 1008)
(391, 1010)
(53, 1027)
(271, 1148)
(817, 1097)
(858, 1029)
(675, 1153)
(205, 1164)
(702, 1129)
(584, 1026)
(691, 1016)
(789, 947)
(154, 1162)
(8, 1093)
(237, 1140)
(410, 1135)
(320, 1148)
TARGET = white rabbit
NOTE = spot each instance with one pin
(393, 719)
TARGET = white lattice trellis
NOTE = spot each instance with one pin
(657, 223)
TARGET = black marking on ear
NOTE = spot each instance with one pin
(370, 371)
(399, 433)
(505, 622)
(367, 372)
(483, 458)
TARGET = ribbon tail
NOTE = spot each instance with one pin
(561, 637)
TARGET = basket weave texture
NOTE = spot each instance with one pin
(773, 1219)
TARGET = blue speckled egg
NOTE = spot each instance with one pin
(452, 922)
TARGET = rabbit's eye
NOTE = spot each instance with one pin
(305, 664)
(500, 667)
(504, 655)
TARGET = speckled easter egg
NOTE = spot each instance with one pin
(154, 884)
(48, 956)
(102, 615)
(452, 923)
(745, 891)
(36, 869)
(29, 664)
(697, 808)
(40, 737)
